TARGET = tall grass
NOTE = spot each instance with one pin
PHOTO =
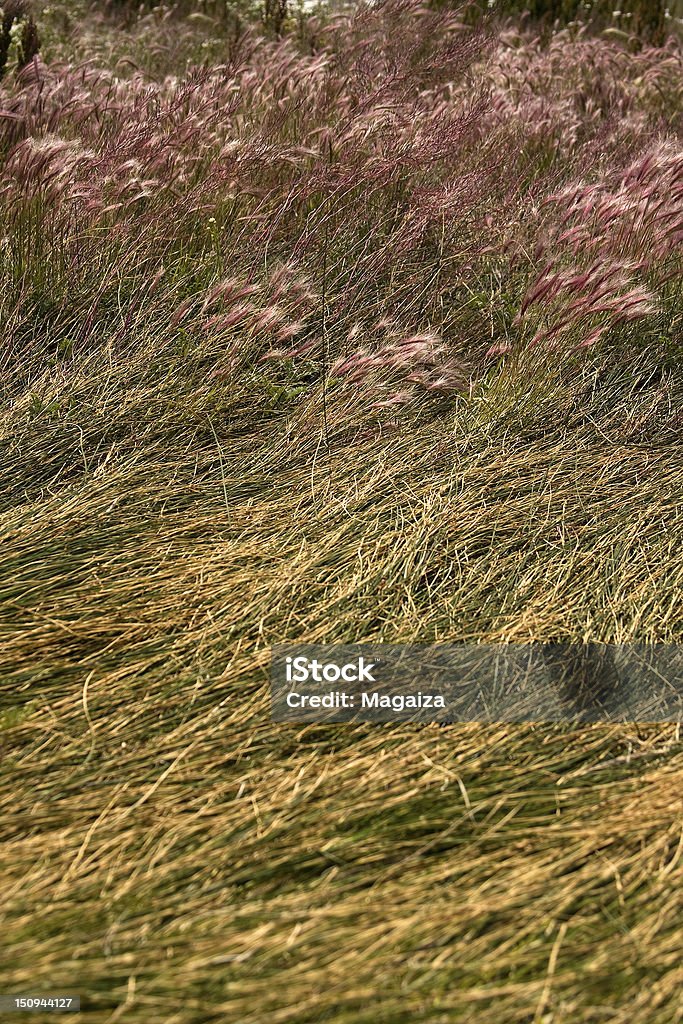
(378, 156)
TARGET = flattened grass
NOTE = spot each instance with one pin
(173, 855)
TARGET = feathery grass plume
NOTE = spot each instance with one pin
(626, 233)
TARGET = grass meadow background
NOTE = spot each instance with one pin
(359, 324)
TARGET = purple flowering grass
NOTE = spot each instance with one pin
(392, 173)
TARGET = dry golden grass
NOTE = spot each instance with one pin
(173, 855)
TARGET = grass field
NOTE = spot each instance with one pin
(372, 332)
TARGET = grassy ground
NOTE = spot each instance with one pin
(167, 514)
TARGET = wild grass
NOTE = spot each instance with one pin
(369, 333)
